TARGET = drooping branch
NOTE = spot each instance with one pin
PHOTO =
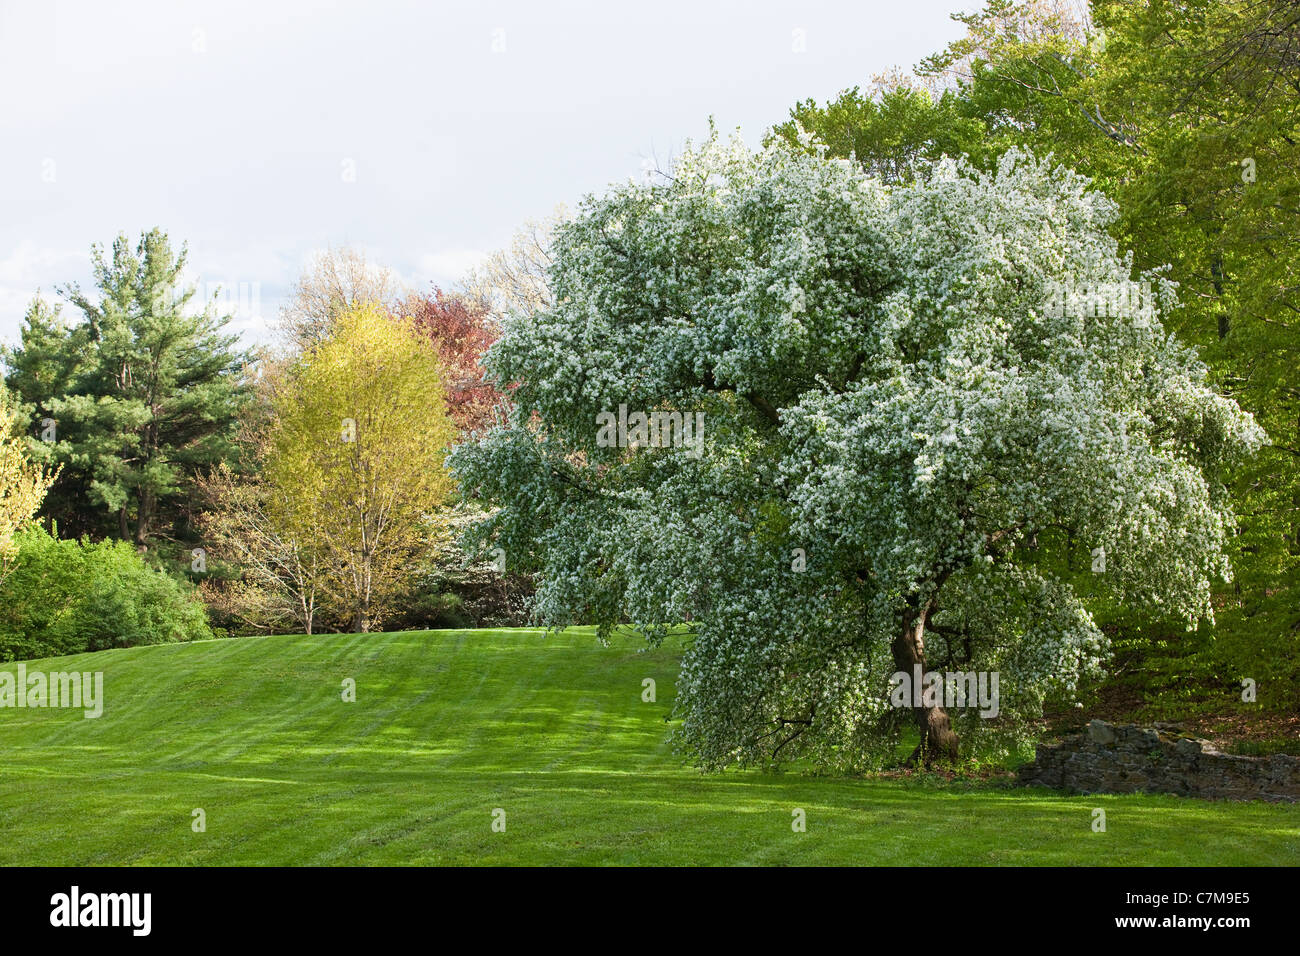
(766, 408)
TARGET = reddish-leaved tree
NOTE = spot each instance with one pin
(461, 329)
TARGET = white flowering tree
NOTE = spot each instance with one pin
(917, 451)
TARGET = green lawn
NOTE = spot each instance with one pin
(450, 725)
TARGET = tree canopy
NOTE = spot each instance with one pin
(1187, 115)
(921, 422)
(352, 473)
(132, 400)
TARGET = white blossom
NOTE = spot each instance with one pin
(886, 389)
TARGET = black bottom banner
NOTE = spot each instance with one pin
(334, 906)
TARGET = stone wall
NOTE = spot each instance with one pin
(1128, 759)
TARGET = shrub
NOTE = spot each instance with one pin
(66, 597)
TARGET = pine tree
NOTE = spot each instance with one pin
(143, 392)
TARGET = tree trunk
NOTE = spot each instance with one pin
(938, 742)
(144, 520)
(363, 611)
(361, 622)
(1216, 274)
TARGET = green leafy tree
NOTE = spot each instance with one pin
(888, 134)
(1214, 189)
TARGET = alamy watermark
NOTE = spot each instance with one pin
(657, 429)
(1086, 300)
(950, 689)
(129, 910)
(83, 689)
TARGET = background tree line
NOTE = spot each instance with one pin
(297, 487)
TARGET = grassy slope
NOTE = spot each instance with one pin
(449, 725)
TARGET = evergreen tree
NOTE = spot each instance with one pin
(143, 392)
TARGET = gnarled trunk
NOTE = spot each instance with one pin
(938, 742)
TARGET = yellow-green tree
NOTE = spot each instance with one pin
(23, 482)
(355, 457)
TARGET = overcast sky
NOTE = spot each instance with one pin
(422, 133)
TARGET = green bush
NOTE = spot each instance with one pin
(66, 597)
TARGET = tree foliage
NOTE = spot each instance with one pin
(1187, 116)
(354, 463)
(461, 329)
(517, 279)
(265, 576)
(909, 454)
(68, 597)
(23, 482)
(134, 399)
(334, 281)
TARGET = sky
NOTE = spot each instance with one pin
(424, 134)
